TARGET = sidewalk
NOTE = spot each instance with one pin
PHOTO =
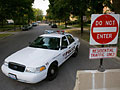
(94, 80)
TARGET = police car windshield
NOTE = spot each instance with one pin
(46, 43)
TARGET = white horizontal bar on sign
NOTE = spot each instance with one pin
(104, 29)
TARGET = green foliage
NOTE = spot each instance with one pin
(63, 27)
(79, 7)
(38, 14)
(109, 4)
(59, 10)
(4, 35)
(50, 15)
(96, 6)
(18, 10)
(116, 4)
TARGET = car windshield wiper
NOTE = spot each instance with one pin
(38, 46)
(35, 46)
(45, 47)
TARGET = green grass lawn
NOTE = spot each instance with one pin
(86, 25)
(17, 30)
(8, 27)
(5, 35)
(78, 34)
(63, 27)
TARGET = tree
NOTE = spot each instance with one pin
(59, 10)
(49, 15)
(15, 9)
(3, 11)
(116, 5)
(79, 8)
(96, 6)
(38, 14)
(21, 10)
(62, 10)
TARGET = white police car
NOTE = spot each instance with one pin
(41, 58)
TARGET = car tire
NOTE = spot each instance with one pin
(76, 52)
(52, 72)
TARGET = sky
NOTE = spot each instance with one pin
(41, 4)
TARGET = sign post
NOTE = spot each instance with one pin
(101, 68)
(104, 31)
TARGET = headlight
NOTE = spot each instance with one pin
(5, 63)
(35, 70)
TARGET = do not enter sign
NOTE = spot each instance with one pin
(104, 29)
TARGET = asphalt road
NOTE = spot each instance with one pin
(67, 72)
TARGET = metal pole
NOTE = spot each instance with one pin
(101, 67)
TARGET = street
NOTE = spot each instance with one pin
(67, 72)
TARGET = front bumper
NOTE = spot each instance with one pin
(25, 76)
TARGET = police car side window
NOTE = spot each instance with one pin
(64, 42)
(70, 38)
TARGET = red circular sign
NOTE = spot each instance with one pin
(104, 29)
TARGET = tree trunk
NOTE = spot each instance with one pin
(81, 24)
(22, 20)
(65, 23)
(28, 19)
(19, 22)
(2, 23)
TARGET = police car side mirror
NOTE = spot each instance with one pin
(30, 42)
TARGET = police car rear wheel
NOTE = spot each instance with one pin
(52, 72)
(75, 53)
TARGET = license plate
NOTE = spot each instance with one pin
(12, 76)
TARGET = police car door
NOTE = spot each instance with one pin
(71, 45)
(64, 48)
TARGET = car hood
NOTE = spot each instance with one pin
(31, 57)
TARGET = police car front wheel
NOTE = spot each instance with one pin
(52, 72)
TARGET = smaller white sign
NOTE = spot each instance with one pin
(107, 52)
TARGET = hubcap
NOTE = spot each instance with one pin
(52, 71)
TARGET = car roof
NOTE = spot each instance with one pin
(54, 35)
